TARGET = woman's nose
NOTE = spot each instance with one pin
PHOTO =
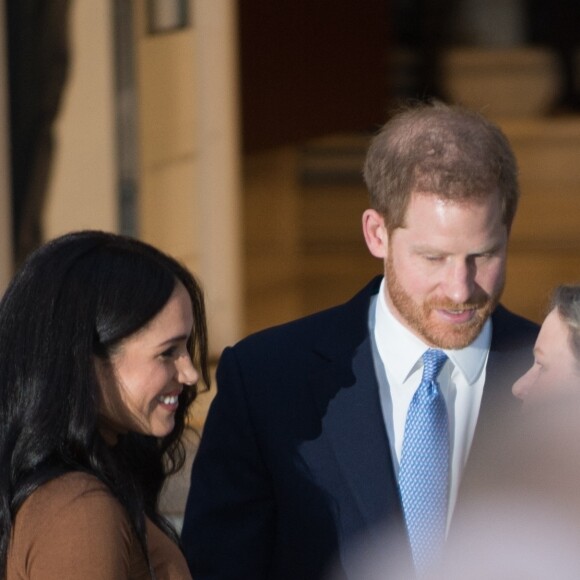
(186, 372)
(522, 385)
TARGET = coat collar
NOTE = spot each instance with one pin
(347, 395)
(346, 392)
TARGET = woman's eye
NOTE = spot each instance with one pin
(169, 353)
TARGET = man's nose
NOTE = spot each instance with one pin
(460, 281)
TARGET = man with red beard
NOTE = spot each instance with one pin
(310, 446)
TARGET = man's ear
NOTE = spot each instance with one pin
(375, 233)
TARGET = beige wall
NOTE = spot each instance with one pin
(82, 192)
(188, 153)
(219, 176)
(166, 92)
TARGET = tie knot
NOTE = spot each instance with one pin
(433, 361)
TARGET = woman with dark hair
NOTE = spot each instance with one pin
(101, 341)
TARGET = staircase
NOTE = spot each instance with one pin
(304, 246)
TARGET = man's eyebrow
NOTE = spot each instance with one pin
(427, 249)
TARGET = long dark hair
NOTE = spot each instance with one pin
(74, 299)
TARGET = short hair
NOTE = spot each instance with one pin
(446, 150)
(76, 298)
(566, 299)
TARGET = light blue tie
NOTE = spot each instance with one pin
(424, 471)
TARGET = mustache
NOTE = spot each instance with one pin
(474, 304)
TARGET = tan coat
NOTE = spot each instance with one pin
(73, 527)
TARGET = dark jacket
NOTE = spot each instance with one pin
(294, 461)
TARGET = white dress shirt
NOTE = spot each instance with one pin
(399, 368)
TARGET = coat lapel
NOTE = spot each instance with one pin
(348, 400)
(347, 395)
(509, 357)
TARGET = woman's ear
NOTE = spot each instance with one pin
(114, 417)
(375, 233)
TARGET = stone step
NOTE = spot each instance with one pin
(303, 206)
(502, 82)
(545, 243)
(511, 82)
(548, 151)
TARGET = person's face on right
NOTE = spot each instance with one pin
(556, 371)
(445, 268)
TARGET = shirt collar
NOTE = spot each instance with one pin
(402, 350)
